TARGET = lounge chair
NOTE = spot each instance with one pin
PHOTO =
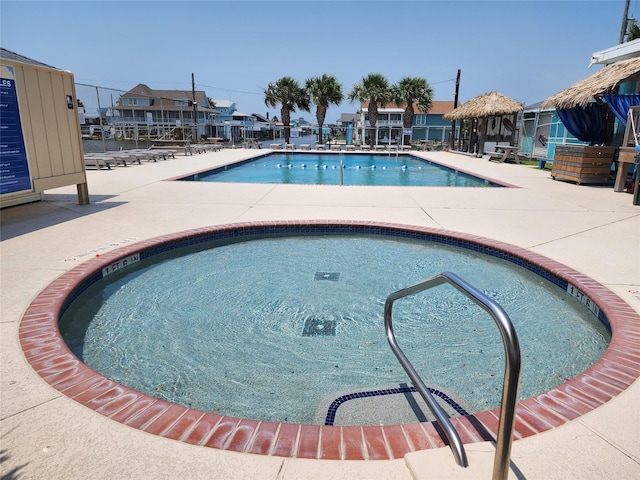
(276, 146)
(198, 148)
(335, 147)
(305, 146)
(139, 153)
(290, 146)
(183, 145)
(113, 158)
(351, 148)
(134, 156)
(365, 147)
(251, 143)
(319, 146)
(98, 161)
(164, 153)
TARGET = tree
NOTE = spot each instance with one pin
(634, 33)
(410, 90)
(211, 102)
(374, 88)
(288, 93)
(323, 91)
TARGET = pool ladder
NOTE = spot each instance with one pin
(510, 382)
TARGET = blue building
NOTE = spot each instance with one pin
(540, 131)
(229, 123)
(389, 127)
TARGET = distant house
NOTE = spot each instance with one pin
(346, 123)
(389, 125)
(229, 123)
(347, 119)
(144, 111)
(430, 125)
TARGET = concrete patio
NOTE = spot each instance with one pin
(44, 434)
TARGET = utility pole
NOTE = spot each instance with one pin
(623, 28)
(455, 105)
(195, 108)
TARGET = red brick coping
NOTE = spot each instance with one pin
(50, 357)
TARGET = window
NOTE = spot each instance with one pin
(136, 102)
(419, 119)
(183, 103)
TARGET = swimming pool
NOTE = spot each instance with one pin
(52, 360)
(357, 169)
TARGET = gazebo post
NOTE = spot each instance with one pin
(512, 137)
(482, 137)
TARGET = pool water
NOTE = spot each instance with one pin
(265, 329)
(358, 169)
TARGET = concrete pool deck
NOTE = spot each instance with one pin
(46, 435)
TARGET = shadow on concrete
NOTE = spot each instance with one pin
(13, 473)
(53, 210)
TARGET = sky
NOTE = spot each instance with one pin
(527, 50)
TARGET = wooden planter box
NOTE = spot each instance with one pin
(582, 164)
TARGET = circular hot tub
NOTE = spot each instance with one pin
(148, 407)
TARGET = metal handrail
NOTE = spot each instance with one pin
(511, 381)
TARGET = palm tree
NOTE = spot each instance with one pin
(290, 95)
(324, 91)
(374, 88)
(412, 90)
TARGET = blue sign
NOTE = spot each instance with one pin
(14, 168)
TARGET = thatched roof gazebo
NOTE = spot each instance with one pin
(606, 80)
(492, 105)
(586, 108)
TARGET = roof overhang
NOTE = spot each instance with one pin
(610, 55)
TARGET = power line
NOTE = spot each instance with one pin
(262, 93)
(442, 81)
(201, 85)
(229, 89)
